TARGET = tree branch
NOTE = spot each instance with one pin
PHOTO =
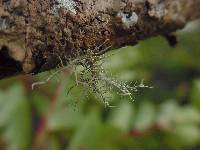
(35, 35)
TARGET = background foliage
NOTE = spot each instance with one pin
(166, 117)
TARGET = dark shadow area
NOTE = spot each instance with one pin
(8, 66)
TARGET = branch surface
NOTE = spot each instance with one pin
(36, 35)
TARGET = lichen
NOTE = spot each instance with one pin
(5, 23)
(69, 5)
(128, 20)
(157, 8)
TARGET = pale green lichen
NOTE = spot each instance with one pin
(93, 78)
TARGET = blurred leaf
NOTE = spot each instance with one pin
(86, 134)
(67, 113)
(54, 143)
(15, 118)
(187, 115)
(195, 96)
(69, 94)
(121, 116)
(122, 59)
(187, 134)
(145, 117)
(64, 119)
(166, 113)
(40, 102)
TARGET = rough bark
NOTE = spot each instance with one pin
(35, 35)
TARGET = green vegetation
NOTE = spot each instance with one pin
(166, 117)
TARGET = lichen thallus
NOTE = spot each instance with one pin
(89, 73)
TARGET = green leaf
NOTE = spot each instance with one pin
(167, 113)
(87, 132)
(122, 116)
(15, 118)
(188, 134)
(187, 115)
(195, 96)
(64, 119)
(145, 117)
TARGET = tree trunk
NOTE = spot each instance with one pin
(37, 35)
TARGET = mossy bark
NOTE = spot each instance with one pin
(36, 35)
